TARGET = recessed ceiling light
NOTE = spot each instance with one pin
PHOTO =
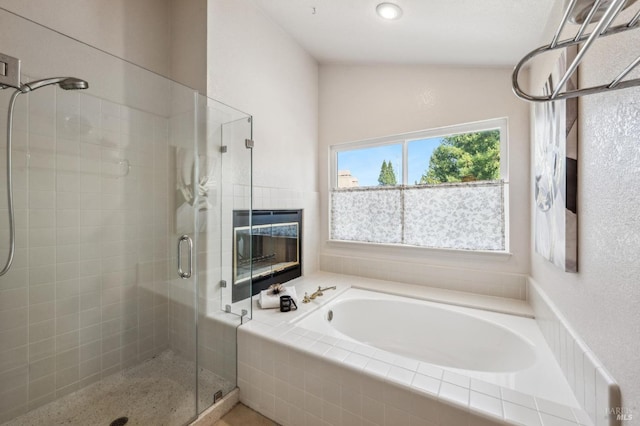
(389, 11)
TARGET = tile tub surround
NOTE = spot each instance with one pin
(296, 376)
(593, 386)
(453, 278)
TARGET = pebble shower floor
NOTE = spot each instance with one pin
(158, 391)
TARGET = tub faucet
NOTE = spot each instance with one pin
(319, 292)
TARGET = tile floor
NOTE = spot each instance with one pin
(241, 415)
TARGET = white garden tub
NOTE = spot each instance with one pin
(506, 350)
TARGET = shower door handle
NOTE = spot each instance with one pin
(182, 274)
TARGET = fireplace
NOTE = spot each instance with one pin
(267, 252)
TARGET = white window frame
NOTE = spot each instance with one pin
(404, 139)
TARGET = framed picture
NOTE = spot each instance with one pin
(556, 172)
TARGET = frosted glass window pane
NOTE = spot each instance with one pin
(462, 216)
(370, 215)
(458, 216)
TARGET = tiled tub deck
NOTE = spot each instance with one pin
(300, 377)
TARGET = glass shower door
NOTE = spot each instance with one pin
(95, 324)
(183, 187)
(224, 176)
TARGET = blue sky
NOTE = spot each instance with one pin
(365, 163)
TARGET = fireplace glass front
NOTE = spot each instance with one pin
(267, 251)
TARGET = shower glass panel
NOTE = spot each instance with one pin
(236, 196)
(95, 323)
(224, 176)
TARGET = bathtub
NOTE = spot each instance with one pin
(505, 350)
(362, 357)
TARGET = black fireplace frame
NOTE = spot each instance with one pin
(254, 286)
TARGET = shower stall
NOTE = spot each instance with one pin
(116, 307)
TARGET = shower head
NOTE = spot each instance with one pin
(66, 83)
(72, 83)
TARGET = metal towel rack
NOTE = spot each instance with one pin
(609, 10)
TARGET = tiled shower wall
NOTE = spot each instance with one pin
(87, 294)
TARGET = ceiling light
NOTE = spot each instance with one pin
(389, 11)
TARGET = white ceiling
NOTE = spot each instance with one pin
(462, 32)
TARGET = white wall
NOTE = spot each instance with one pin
(256, 67)
(137, 31)
(188, 61)
(601, 300)
(362, 102)
(168, 37)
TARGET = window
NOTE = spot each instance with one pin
(440, 188)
